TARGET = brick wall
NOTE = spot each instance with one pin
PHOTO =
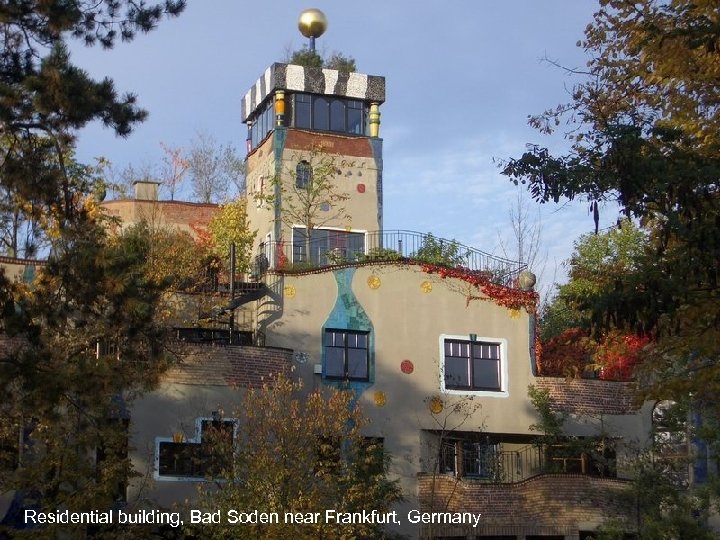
(213, 365)
(298, 139)
(178, 214)
(558, 504)
(584, 396)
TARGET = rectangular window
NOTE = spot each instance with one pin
(346, 355)
(206, 456)
(322, 113)
(355, 121)
(303, 111)
(472, 365)
(327, 246)
(469, 456)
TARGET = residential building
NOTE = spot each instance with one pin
(439, 355)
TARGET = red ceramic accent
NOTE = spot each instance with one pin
(361, 188)
(406, 366)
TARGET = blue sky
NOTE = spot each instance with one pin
(462, 78)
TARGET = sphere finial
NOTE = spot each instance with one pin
(312, 24)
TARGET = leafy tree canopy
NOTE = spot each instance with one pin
(84, 334)
(230, 225)
(300, 453)
(44, 98)
(310, 58)
(643, 132)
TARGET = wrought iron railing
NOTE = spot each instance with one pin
(518, 465)
(341, 247)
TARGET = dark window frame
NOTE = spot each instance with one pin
(194, 459)
(303, 174)
(468, 457)
(327, 241)
(332, 114)
(471, 367)
(346, 348)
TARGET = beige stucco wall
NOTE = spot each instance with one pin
(357, 180)
(260, 171)
(169, 409)
(410, 310)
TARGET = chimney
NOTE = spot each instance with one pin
(146, 190)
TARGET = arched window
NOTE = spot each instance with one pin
(303, 174)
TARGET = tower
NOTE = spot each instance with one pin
(314, 163)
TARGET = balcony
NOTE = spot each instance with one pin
(327, 248)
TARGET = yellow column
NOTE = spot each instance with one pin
(374, 119)
(279, 107)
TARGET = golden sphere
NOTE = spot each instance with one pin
(312, 23)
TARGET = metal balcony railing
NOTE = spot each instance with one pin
(340, 247)
(519, 465)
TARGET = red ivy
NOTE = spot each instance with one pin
(618, 354)
(501, 295)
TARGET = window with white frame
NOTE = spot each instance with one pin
(204, 456)
(473, 365)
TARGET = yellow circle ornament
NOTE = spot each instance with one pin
(514, 313)
(379, 398)
(290, 291)
(373, 282)
(426, 286)
(436, 405)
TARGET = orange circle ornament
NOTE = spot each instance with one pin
(374, 282)
(379, 398)
(436, 405)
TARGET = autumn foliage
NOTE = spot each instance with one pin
(300, 451)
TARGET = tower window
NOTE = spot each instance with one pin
(303, 111)
(321, 114)
(339, 115)
(326, 246)
(303, 174)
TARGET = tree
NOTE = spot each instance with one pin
(525, 243)
(174, 167)
(305, 57)
(434, 251)
(341, 62)
(311, 58)
(644, 133)
(311, 197)
(48, 98)
(85, 337)
(213, 169)
(230, 225)
(300, 454)
(596, 320)
(74, 366)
